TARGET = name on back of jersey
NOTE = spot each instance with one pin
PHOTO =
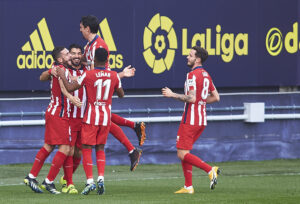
(102, 74)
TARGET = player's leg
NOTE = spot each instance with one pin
(215, 170)
(67, 180)
(187, 137)
(68, 174)
(186, 156)
(88, 138)
(118, 133)
(100, 157)
(122, 121)
(60, 136)
(187, 169)
(188, 173)
(139, 127)
(77, 152)
(134, 153)
(41, 156)
(76, 158)
(192, 159)
(57, 162)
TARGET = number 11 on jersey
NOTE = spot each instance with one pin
(100, 84)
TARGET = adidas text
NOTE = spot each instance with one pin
(36, 51)
(35, 60)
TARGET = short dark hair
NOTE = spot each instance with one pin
(201, 53)
(57, 52)
(90, 21)
(101, 55)
(74, 45)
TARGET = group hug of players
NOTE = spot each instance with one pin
(79, 118)
(79, 115)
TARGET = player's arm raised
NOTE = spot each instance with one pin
(127, 72)
(190, 98)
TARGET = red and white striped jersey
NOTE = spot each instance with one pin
(59, 104)
(100, 85)
(90, 48)
(80, 93)
(199, 81)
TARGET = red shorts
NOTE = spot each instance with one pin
(76, 125)
(94, 135)
(57, 130)
(187, 136)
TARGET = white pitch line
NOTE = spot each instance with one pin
(177, 177)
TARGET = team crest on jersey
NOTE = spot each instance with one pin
(36, 50)
(205, 74)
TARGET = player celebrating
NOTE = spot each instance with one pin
(100, 85)
(75, 69)
(199, 90)
(56, 129)
(73, 160)
(88, 27)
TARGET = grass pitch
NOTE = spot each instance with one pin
(276, 181)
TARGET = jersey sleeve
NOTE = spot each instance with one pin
(211, 85)
(67, 74)
(81, 79)
(118, 84)
(191, 82)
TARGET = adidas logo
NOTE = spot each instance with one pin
(37, 57)
(115, 60)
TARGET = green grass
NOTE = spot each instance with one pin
(276, 181)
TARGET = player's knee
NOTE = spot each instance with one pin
(100, 147)
(180, 155)
(71, 152)
(48, 147)
(64, 149)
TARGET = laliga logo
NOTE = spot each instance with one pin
(160, 42)
(274, 41)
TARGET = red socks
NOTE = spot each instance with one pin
(188, 173)
(121, 121)
(197, 162)
(100, 156)
(68, 170)
(118, 133)
(76, 162)
(39, 160)
(87, 162)
(57, 162)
